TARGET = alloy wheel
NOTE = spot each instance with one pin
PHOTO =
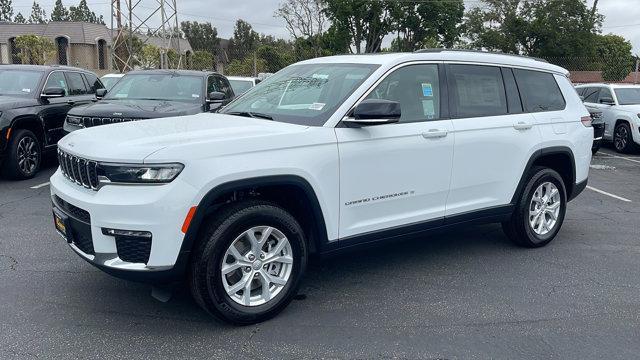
(544, 208)
(27, 154)
(257, 266)
(620, 138)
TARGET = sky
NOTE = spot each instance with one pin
(622, 17)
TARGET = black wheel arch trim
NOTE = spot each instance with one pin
(538, 154)
(207, 206)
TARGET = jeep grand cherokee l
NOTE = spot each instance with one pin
(34, 101)
(150, 94)
(324, 155)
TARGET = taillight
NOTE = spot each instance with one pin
(586, 121)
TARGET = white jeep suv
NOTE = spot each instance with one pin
(620, 107)
(324, 155)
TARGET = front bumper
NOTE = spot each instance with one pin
(159, 210)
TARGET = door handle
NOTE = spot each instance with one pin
(521, 125)
(434, 133)
(71, 102)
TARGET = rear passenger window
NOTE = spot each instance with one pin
(539, 91)
(416, 88)
(76, 84)
(476, 91)
(94, 83)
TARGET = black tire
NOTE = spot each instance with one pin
(596, 147)
(206, 280)
(22, 163)
(518, 229)
(623, 139)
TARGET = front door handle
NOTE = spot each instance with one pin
(521, 125)
(71, 102)
(435, 133)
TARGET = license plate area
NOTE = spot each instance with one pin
(61, 222)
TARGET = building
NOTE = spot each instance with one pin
(80, 44)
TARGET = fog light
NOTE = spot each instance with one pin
(129, 233)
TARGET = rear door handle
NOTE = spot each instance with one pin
(521, 125)
(435, 133)
(71, 102)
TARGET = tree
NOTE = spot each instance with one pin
(422, 24)
(367, 21)
(34, 49)
(38, 15)
(201, 60)
(245, 67)
(149, 57)
(59, 12)
(83, 13)
(19, 19)
(203, 37)
(245, 40)
(6, 10)
(616, 56)
(304, 19)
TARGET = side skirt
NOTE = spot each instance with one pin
(485, 216)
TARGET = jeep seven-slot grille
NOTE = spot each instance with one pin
(81, 171)
(96, 121)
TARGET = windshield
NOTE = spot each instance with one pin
(305, 94)
(158, 87)
(240, 86)
(19, 82)
(628, 96)
(109, 81)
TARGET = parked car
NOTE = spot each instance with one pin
(242, 84)
(110, 79)
(324, 155)
(620, 107)
(597, 122)
(34, 101)
(150, 94)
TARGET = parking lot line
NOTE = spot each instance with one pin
(40, 186)
(620, 157)
(608, 194)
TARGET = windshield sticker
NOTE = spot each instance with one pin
(316, 106)
(428, 109)
(120, 95)
(320, 76)
(427, 90)
(196, 96)
(26, 90)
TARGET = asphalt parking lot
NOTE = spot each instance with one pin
(463, 294)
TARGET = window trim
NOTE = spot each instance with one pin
(442, 83)
(453, 110)
(44, 84)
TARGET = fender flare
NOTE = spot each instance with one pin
(554, 150)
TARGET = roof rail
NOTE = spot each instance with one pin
(438, 50)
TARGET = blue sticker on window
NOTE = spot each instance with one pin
(427, 90)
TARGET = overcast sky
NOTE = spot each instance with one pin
(622, 17)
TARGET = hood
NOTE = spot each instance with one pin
(185, 137)
(8, 102)
(138, 109)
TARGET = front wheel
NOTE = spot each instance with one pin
(623, 139)
(249, 263)
(540, 210)
(23, 155)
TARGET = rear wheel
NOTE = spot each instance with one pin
(23, 155)
(540, 211)
(249, 263)
(623, 139)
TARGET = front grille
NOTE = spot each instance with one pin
(81, 171)
(97, 121)
(72, 210)
(133, 249)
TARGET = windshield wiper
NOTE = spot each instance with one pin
(251, 114)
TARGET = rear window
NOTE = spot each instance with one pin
(539, 91)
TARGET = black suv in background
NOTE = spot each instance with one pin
(148, 94)
(34, 101)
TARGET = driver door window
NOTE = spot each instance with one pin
(57, 80)
(417, 90)
(604, 94)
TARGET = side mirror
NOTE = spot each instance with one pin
(53, 92)
(607, 101)
(100, 93)
(216, 96)
(374, 112)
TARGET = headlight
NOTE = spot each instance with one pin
(74, 120)
(139, 174)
